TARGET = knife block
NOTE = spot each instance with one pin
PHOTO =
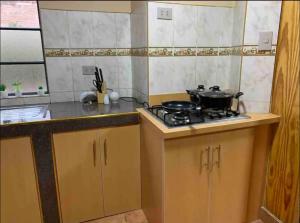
(100, 96)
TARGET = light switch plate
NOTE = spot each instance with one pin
(164, 13)
(265, 40)
(88, 70)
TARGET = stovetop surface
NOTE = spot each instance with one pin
(183, 118)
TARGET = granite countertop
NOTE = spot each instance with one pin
(65, 116)
(64, 111)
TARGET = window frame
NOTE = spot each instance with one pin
(31, 62)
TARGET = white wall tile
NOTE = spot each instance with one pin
(59, 72)
(185, 27)
(206, 73)
(81, 29)
(254, 106)
(214, 26)
(261, 16)
(257, 76)
(82, 82)
(109, 66)
(124, 72)
(61, 96)
(140, 74)
(160, 32)
(171, 74)
(123, 30)
(55, 27)
(104, 30)
(139, 24)
(36, 100)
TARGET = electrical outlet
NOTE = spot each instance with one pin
(164, 13)
(88, 70)
(265, 40)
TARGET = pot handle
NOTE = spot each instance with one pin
(239, 94)
(215, 88)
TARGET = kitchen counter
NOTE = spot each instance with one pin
(67, 116)
(205, 128)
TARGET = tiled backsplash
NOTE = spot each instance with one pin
(74, 39)
(257, 71)
(141, 55)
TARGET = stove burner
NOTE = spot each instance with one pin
(187, 117)
(181, 116)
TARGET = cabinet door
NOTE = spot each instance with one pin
(230, 180)
(19, 193)
(186, 180)
(121, 168)
(77, 159)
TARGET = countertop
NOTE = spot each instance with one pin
(254, 119)
(70, 116)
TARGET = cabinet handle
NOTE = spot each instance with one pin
(94, 152)
(207, 150)
(105, 152)
(218, 162)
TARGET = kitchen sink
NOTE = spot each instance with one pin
(24, 114)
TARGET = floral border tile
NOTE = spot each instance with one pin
(160, 52)
(207, 51)
(253, 51)
(163, 51)
(139, 51)
(190, 51)
(124, 52)
(81, 52)
(57, 52)
(105, 52)
(225, 51)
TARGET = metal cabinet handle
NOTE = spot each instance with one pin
(207, 150)
(94, 152)
(218, 162)
(105, 152)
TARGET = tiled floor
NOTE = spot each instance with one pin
(129, 217)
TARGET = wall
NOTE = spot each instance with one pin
(195, 47)
(102, 6)
(258, 67)
(139, 43)
(77, 38)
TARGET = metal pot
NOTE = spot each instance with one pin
(213, 98)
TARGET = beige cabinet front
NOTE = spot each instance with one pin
(186, 180)
(207, 177)
(121, 169)
(19, 191)
(230, 175)
(98, 172)
(78, 165)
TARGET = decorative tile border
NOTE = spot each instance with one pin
(160, 51)
(139, 51)
(210, 51)
(183, 51)
(253, 51)
(105, 52)
(163, 51)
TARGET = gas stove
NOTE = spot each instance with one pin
(183, 118)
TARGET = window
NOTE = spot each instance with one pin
(22, 57)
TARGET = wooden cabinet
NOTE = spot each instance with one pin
(207, 177)
(78, 167)
(186, 180)
(19, 191)
(121, 169)
(98, 172)
(230, 175)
